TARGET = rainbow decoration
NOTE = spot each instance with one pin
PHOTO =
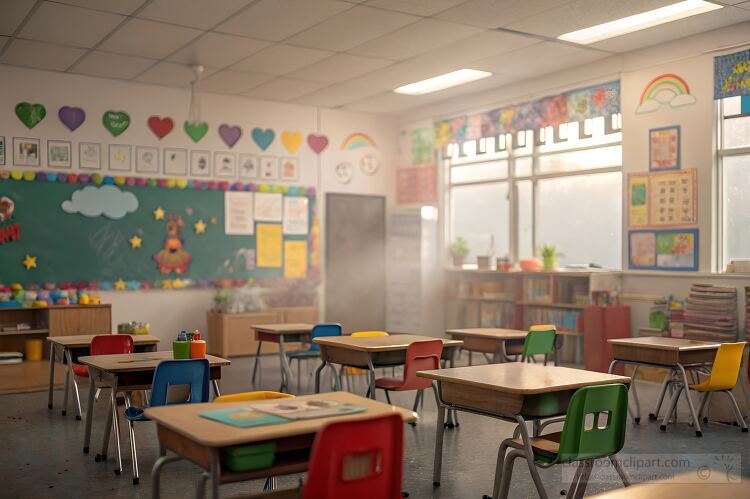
(665, 90)
(357, 141)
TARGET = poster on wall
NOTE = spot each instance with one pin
(200, 163)
(89, 155)
(295, 259)
(59, 154)
(2, 150)
(147, 159)
(675, 249)
(664, 148)
(225, 164)
(637, 200)
(248, 166)
(673, 197)
(119, 158)
(268, 245)
(25, 151)
(175, 161)
(732, 74)
(421, 146)
(296, 215)
(268, 207)
(238, 213)
(416, 185)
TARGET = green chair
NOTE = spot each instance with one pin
(594, 428)
(539, 341)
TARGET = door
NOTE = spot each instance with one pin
(355, 261)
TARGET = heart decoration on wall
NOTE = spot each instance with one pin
(160, 126)
(196, 131)
(71, 117)
(291, 141)
(317, 142)
(263, 137)
(230, 134)
(116, 122)
(30, 114)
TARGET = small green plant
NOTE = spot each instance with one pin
(549, 255)
(460, 248)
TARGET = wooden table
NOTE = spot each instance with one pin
(182, 430)
(71, 347)
(686, 485)
(281, 333)
(371, 352)
(512, 391)
(489, 340)
(673, 354)
(126, 373)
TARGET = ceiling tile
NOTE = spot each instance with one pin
(339, 68)
(171, 74)
(415, 39)
(232, 82)
(69, 25)
(106, 65)
(280, 59)
(193, 13)
(352, 28)
(744, 5)
(279, 19)
(148, 39)
(284, 89)
(459, 54)
(416, 7)
(41, 55)
(385, 103)
(117, 6)
(336, 95)
(218, 50)
(13, 13)
(496, 13)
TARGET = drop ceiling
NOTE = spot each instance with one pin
(331, 53)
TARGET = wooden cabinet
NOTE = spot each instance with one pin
(71, 320)
(231, 335)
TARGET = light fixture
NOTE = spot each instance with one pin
(442, 82)
(637, 22)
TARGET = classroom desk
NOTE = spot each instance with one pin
(494, 341)
(673, 354)
(680, 487)
(73, 346)
(281, 333)
(372, 352)
(514, 391)
(181, 429)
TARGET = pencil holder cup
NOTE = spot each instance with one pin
(181, 349)
(197, 349)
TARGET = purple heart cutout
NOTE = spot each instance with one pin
(71, 117)
(230, 134)
(317, 142)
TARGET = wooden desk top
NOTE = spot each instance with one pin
(137, 361)
(283, 328)
(681, 486)
(185, 420)
(84, 340)
(489, 333)
(521, 378)
(380, 343)
(663, 343)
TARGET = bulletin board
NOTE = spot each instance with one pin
(663, 199)
(121, 253)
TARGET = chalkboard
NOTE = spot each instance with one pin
(73, 247)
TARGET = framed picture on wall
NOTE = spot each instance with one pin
(289, 169)
(26, 151)
(147, 159)
(119, 158)
(664, 148)
(225, 164)
(175, 161)
(269, 168)
(200, 163)
(248, 166)
(2, 150)
(89, 156)
(59, 154)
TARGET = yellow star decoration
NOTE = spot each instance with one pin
(214, 220)
(159, 213)
(135, 242)
(29, 262)
(119, 284)
(166, 284)
(178, 284)
(200, 227)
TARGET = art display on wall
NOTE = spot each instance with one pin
(30, 114)
(26, 151)
(637, 200)
(263, 138)
(416, 185)
(2, 150)
(295, 259)
(71, 117)
(116, 122)
(668, 90)
(269, 245)
(732, 75)
(667, 198)
(230, 134)
(675, 249)
(59, 154)
(664, 148)
(147, 159)
(89, 156)
(200, 163)
(357, 141)
(291, 141)
(421, 140)
(119, 158)
(161, 127)
(175, 161)
(289, 169)
(248, 166)
(225, 165)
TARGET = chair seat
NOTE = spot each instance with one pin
(135, 414)
(701, 387)
(389, 383)
(546, 445)
(82, 371)
(303, 354)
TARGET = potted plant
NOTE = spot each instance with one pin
(549, 255)
(459, 250)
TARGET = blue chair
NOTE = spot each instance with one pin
(192, 372)
(318, 331)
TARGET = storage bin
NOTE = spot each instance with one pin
(254, 457)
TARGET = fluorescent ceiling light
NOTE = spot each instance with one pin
(637, 22)
(442, 82)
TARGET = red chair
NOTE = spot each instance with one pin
(420, 356)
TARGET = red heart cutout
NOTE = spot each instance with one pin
(160, 126)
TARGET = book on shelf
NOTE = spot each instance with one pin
(570, 320)
(711, 313)
(539, 290)
(502, 315)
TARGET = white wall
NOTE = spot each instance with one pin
(169, 311)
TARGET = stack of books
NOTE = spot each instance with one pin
(711, 313)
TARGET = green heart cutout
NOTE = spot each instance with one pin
(196, 131)
(116, 122)
(30, 114)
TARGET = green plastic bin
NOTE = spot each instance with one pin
(254, 457)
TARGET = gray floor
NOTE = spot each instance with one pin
(41, 451)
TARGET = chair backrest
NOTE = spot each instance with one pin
(421, 356)
(191, 372)
(539, 341)
(726, 366)
(595, 423)
(320, 330)
(250, 396)
(111, 344)
(369, 334)
(361, 458)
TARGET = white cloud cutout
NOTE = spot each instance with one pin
(107, 200)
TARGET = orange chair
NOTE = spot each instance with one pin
(420, 356)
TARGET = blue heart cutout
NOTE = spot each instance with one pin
(263, 137)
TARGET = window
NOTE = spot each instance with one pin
(734, 179)
(511, 193)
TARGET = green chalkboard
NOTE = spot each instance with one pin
(73, 247)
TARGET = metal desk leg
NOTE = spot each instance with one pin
(697, 424)
(529, 454)
(286, 371)
(69, 359)
(371, 374)
(660, 398)
(52, 354)
(156, 474)
(133, 448)
(102, 456)
(215, 384)
(633, 389)
(257, 359)
(116, 428)
(438, 463)
(320, 368)
(89, 414)
(68, 376)
(215, 473)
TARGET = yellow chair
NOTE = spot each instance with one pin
(723, 378)
(250, 396)
(362, 334)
